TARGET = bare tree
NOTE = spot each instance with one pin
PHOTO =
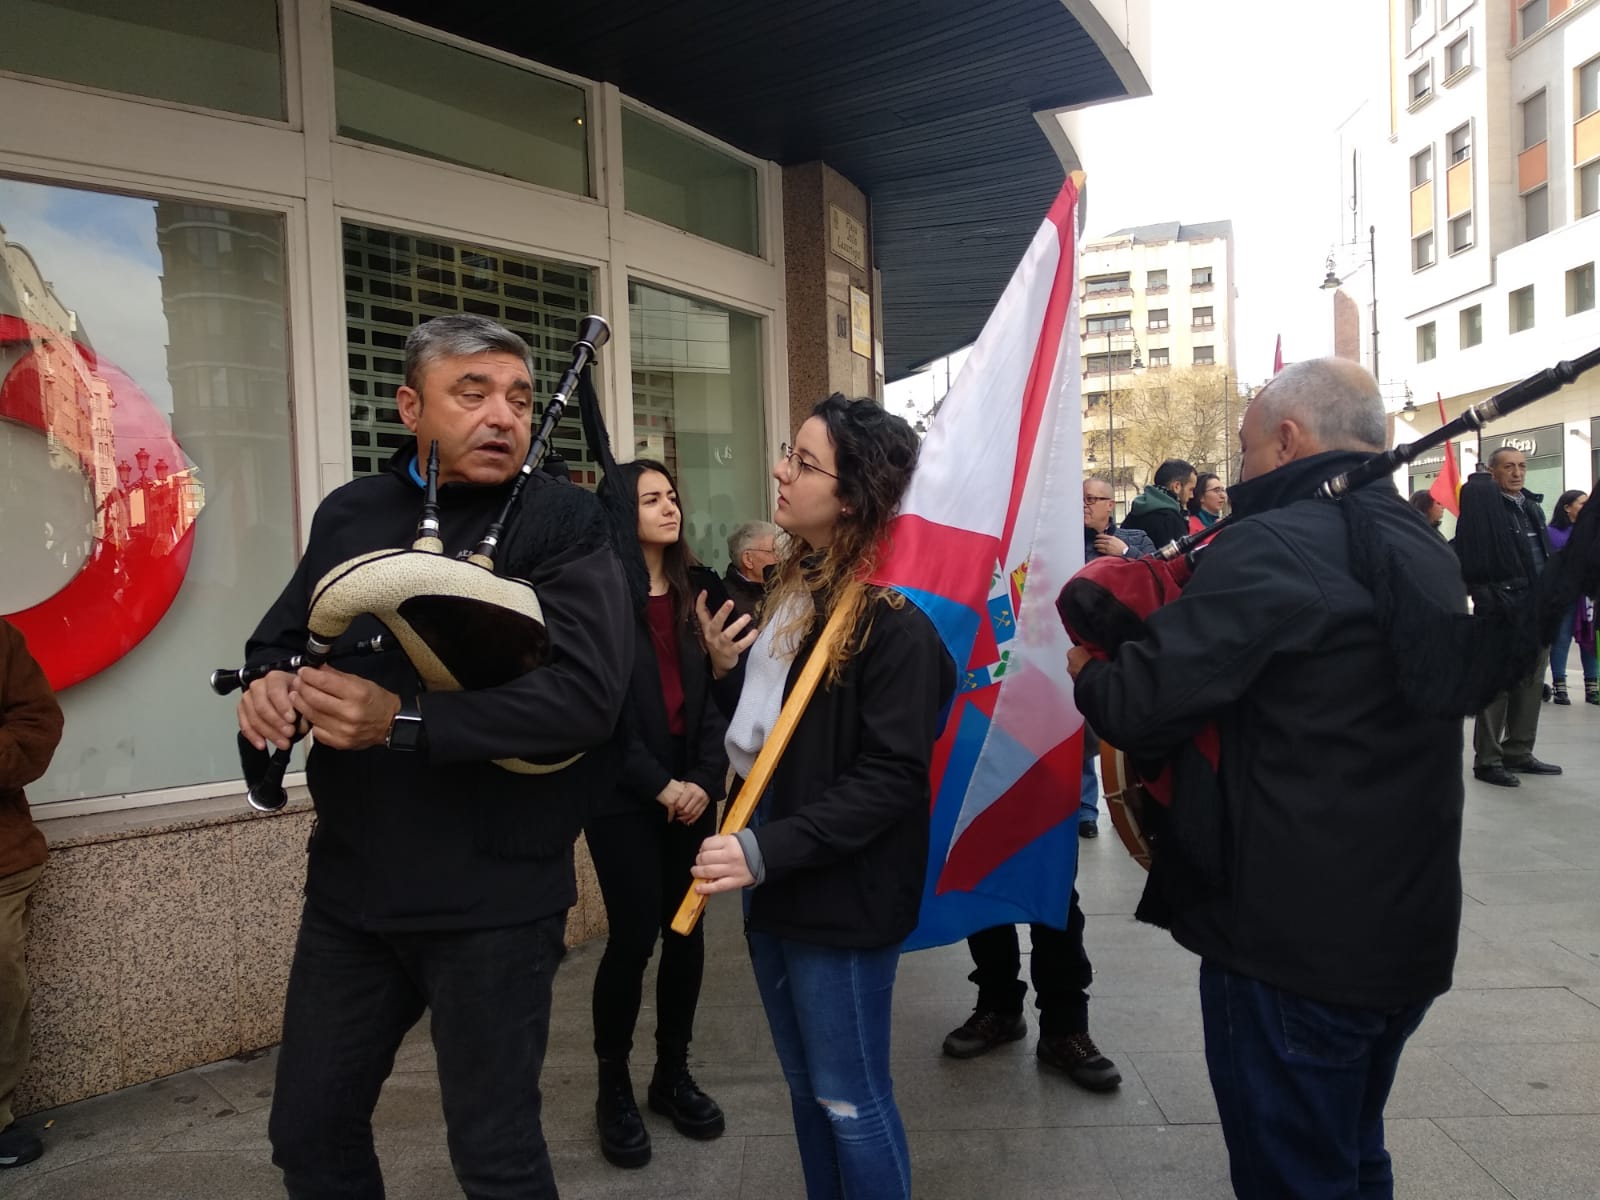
(1189, 413)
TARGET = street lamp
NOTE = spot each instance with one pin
(1332, 281)
(142, 457)
(1111, 404)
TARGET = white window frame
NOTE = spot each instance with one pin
(78, 136)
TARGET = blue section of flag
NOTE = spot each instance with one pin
(1002, 618)
(1034, 885)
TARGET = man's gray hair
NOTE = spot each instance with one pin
(739, 540)
(1105, 479)
(1335, 401)
(457, 336)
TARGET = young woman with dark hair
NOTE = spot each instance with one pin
(835, 857)
(644, 836)
(1206, 505)
(1578, 625)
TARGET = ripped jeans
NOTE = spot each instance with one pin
(828, 1009)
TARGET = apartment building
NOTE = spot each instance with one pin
(1484, 194)
(1154, 298)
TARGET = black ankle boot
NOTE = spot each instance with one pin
(623, 1138)
(1591, 691)
(674, 1093)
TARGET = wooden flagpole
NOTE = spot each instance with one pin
(744, 804)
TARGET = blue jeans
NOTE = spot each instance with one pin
(1089, 785)
(1563, 645)
(828, 1009)
(1300, 1087)
(353, 995)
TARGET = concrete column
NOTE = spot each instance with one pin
(827, 245)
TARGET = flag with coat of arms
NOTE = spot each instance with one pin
(987, 534)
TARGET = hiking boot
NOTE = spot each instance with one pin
(1080, 1058)
(1560, 695)
(624, 1140)
(1498, 776)
(18, 1146)
(674, 1093)
(983, 1031)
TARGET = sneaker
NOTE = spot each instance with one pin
(1080, 1058)
(1088, 829)
(983, 1031)
(18, 1146)
(1498, 776)
(1531, 766)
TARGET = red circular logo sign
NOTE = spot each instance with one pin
(146, 497)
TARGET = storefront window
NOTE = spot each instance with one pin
(395, 281)
(697, 406)
(224, 56)
(400, 89)
(145, 470)
(680, 181)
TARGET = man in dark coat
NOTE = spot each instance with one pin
(1160, 511)
(1503, 735)
(1330, 918)
(752, 552)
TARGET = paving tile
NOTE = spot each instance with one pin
(149, 1176)
(1429, 1166)
(1007, 1088)
(246, 1081)
(123, 1121)
(1531, 887)
(1180, 1085)
(1524, 1080)
(1428, 1085)
(1526, 962)
(1534, 1158)
(1509, 1015)
(1166, 1162)
(1019, 1164)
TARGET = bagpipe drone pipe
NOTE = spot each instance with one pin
(1447, 662)
(460, 622)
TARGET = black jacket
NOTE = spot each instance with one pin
(746, 596)
(1159, 523)
(1341, 822)
(442, 838)
(844, 825)
(647, 757)
(1138, 541)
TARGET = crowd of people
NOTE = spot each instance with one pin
(1320, 888)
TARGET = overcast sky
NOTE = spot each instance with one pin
(1242, 126)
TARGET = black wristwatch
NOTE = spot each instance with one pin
(405, 731)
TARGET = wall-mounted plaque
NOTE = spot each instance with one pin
(847, 237)
(860, 322)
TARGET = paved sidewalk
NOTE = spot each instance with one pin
(1498, 1093)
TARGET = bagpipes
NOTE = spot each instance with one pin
(1109, 601)
(461, 625)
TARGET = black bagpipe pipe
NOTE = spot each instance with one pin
(1110, 599)
(1387, 462)
(459, 623)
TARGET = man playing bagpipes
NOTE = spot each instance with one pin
(1316, 868)
(441, 865)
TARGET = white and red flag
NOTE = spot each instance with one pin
(987, 535)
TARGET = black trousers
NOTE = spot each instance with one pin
(642, 861)
(352, 997)
(1059, 967)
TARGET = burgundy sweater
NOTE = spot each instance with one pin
(30, 729)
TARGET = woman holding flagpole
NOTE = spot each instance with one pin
(835, 857)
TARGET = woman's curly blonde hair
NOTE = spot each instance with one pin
(874, 454)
